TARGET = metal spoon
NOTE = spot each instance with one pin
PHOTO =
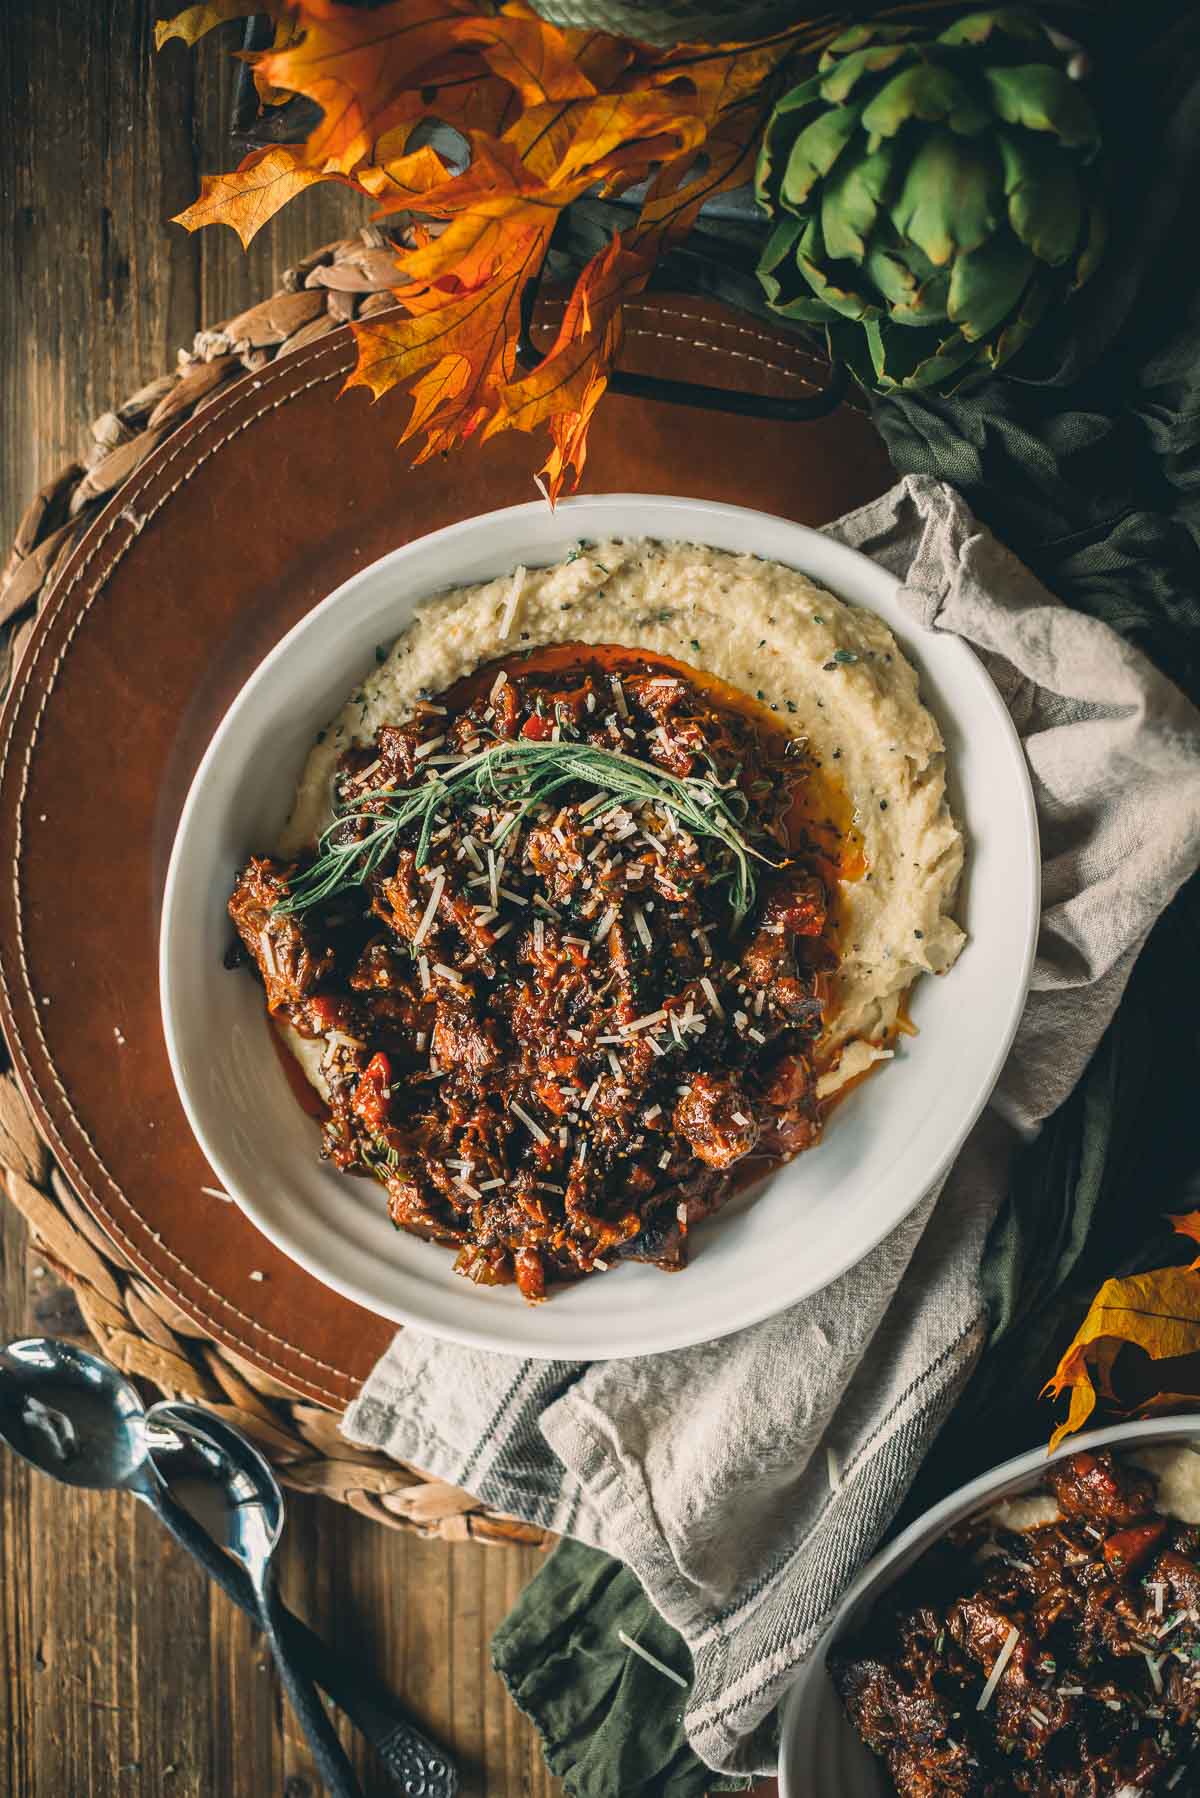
(72, 1415)
(252, 1521)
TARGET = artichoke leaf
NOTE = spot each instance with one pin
(913, 359)
(1094, 244)
(1045, 203)
(842, 299)
(851, 344)
(805, 308)
(781, 244)
(986, 284)
(950, 199)
(1043, 98)
(815, 151)
(797, 97)
(778, 139)
(1013, 22)
(929, 92)
(1030, 313)
(850, 202)
(848, 71)
(858, 37)
(912, 299)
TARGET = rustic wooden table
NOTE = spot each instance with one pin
(122, 1671)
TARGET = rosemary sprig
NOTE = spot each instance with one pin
(519, 776)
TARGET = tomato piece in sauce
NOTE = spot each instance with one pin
(370, 1103)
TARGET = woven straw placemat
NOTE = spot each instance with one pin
(113, 1307)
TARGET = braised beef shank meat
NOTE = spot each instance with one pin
(552, 1037)
(1061, 1662)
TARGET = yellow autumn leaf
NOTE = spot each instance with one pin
(1158, 1312)
(253, 193)
(195, 22)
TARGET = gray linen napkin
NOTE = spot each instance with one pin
(745, 1481)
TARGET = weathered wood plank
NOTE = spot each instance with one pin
(97, 151)
(103, 142)
(231, 278)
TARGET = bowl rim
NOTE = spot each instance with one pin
(1007, 1478)
(687, 520)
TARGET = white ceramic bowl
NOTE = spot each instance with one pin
(813, 1219)
(820, 1756)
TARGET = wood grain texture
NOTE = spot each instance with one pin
(120, 1671)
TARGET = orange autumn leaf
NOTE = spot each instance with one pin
(464, 343)
(567, 385)
(195, 22)
(544, 115)
(367, 69)
(1158, 1312)
(253, 193)
(403, 180)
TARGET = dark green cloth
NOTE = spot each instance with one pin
(610, 1723)
(1088, 467)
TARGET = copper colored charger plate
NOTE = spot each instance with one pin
(235, 526)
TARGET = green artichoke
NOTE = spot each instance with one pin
(933, 196)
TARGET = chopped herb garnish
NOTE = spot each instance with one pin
(520, 775)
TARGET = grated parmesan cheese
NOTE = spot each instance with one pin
(510, 608)
(710, 993)
(605, 925)
(422, 930)
(643, 1023)
(651, 1660)
(531, 1124)
(997, 1672)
